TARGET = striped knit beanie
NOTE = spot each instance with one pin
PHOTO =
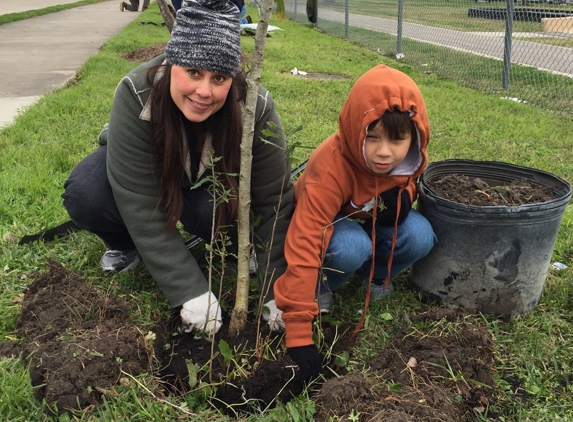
(206, 35)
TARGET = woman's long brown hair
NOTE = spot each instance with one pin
(167, 129)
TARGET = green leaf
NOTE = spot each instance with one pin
(269, 134)
(294, 130)
(342, 359)
(225, 350)
(193, 370)
(329, 319)
(386, 316)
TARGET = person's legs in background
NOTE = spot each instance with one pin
(312, 10)
(244, 19)
(176, 4)
(132, 7)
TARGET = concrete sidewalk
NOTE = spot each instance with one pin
(17, 6)
(43, 53)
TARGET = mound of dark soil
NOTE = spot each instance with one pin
(423, 374)
(462, 189)
(79, 344)
(259, 374)
(76, 342)
(145, 54)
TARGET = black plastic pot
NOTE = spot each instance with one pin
(492, 259)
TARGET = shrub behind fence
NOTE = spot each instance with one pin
(522, 50)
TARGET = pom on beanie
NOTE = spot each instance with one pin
(206, 35)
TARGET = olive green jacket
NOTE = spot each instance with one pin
(130, 169)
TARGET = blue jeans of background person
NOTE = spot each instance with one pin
(350, 249)
(176, 4)
(243, 13)
(89, 201)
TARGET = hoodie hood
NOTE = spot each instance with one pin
(379, 90)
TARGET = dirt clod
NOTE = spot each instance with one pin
(76, 342)
(145, 54)
(451, 380)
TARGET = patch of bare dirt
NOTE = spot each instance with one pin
(77, 343)
(145, 54)
(464, 190)
(420, 375)
(260, 374)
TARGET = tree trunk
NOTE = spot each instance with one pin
(239, 314)
(166, 10)
(280, 12)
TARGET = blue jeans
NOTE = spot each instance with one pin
(350, 249)
(243, 13)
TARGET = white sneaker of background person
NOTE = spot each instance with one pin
(273, 316)
(202, 313)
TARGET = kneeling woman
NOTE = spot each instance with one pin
(169, 118)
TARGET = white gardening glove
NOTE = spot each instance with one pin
(273, 316)
(196, 314)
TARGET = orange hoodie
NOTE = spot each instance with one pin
(338, 180)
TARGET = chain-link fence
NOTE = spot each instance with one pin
(522, 50)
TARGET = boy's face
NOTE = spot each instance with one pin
(382, 153)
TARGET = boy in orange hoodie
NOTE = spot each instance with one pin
(353, 203)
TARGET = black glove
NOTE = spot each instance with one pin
(387, 216)
(308, 360)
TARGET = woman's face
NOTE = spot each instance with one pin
(198, 93)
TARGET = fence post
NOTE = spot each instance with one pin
(507, 44)
(295, 4)
(399, 29)
(346, 18)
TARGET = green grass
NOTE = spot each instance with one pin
(555, 41)
(13, 17)
(40, 149)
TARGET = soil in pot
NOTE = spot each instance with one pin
(476, 192)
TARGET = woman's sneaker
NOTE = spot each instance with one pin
(119, 261)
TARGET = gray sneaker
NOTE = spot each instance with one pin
(119, 261)
(377, 290)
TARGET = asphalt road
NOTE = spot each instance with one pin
(558, 60)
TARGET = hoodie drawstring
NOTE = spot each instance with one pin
(390, 258)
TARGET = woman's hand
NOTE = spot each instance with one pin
(202, 313)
